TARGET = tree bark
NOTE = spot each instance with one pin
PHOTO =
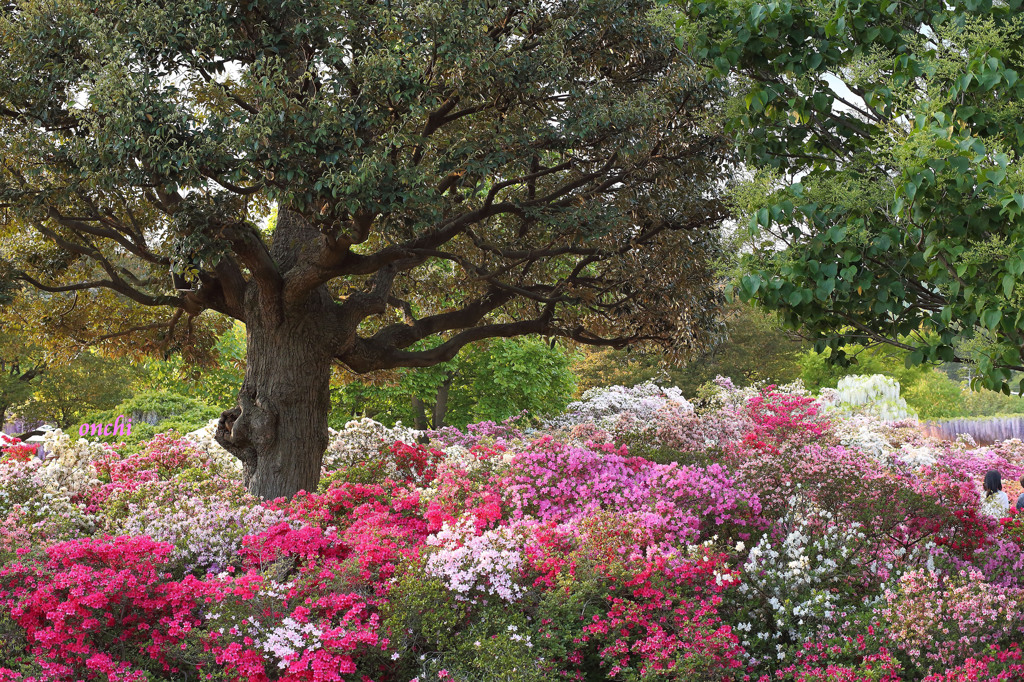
(441, 402)
(279, 427)
(419, 414)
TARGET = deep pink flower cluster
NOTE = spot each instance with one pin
(559, 482)
(89, 600)
(782, 422)
(657, 623)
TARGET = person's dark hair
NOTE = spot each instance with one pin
(993, 481)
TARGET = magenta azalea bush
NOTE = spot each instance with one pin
(761, 535)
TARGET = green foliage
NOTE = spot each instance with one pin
(928, 391)
(21, 366)
(817, 372)
(935, 396)
(173, 412)
(156, 137)
(490, 381)
(217, 385)
(754, 348)
(69, 393)
(485, 647)
(903, 122)
(985, 403)
(16, 387)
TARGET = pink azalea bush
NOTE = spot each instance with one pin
(754, 534)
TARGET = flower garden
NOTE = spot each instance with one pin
(756, 534)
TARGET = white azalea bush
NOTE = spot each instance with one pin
(69, 462)
(603, 406)
(205, 440)
(360, 442)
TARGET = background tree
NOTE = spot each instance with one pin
(21, 366)
(903, 123)
(68, 394)
(491, 381)
(754, 348)
(455, 172)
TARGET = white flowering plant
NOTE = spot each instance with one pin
(362, 441)
(792, 587)
(206, 442)
(603, 406)
(874, 395)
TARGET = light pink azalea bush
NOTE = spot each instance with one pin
(757, 536)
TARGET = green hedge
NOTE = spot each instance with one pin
(175, 413)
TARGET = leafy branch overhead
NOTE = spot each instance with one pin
(466, 171)
(887, 204)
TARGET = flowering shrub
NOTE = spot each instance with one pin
(13, 450)
(363, 440)
(486, 433)
(781, 422)
(995, 664)
(207, 533)
(875, 395)
(672, 503)
(90, 601)
(604, 405)
(764, 536)
(471, 564)
(938, 620)
(203, 439)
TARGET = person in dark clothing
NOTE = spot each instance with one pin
(1020, 498)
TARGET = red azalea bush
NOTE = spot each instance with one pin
(17, 452)
(90, 601)
(994, 665)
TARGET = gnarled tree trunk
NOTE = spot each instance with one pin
(279, 427)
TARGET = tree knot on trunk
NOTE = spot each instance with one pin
(233, 436)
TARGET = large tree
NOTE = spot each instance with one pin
(453, 171)
(884, 140)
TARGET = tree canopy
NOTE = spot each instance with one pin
(447, 171)
(884, 140)
(520, 150)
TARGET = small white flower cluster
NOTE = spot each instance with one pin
(476, 565)
(795, 582)
(916, 457)
(602, 405)
(361, 441)
(865, 433)
(205, 440)
(68, 467)
(24, 493)
(284, 641)
(723, 394)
